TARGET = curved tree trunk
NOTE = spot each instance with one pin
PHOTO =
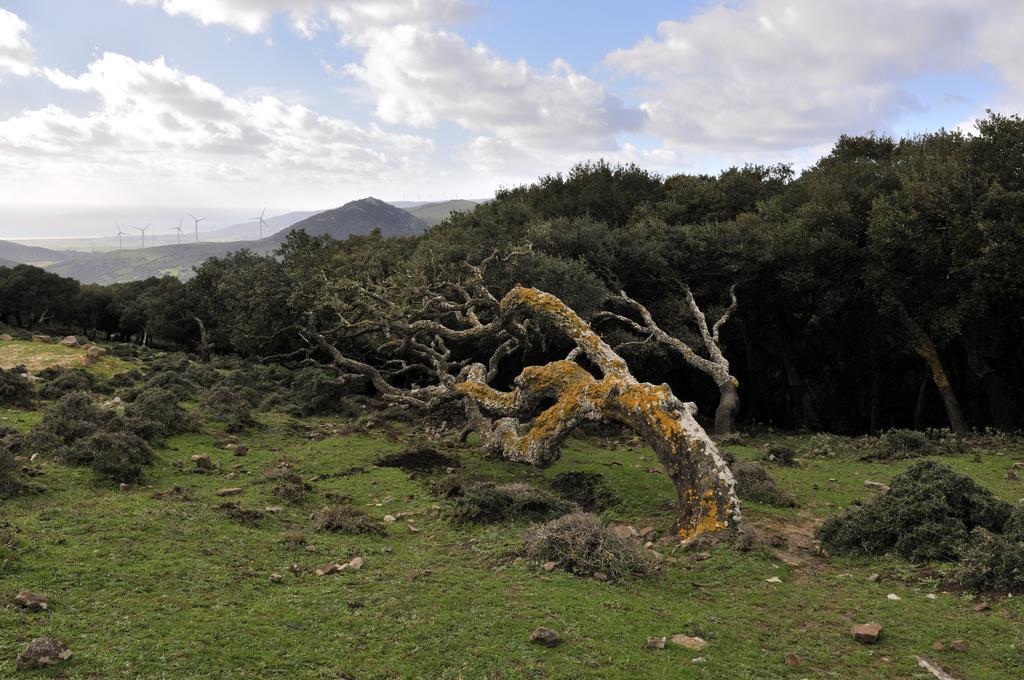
(926, 349)
(706, 499)
(204, 341)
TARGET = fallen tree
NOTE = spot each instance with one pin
(528, 423)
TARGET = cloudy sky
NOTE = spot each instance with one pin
(302, 104)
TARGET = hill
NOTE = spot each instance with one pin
(132, 265)
(18, 253)
(358, 217)
(433, 213)
(250, 230)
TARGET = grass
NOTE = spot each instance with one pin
(36, 356)
(165, 589)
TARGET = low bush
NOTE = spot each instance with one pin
(237, 513)
(70, 418)
(347, 520)
(581, 544)
(899, 444)
(230, 407)
(489, 502)
(418, 459)
(287, 485)
(10, 478)
(989, 562)
(161, 406)
(58, 382)
(780, 455)
(120, 456)
(9, 542)
(318, 391)
(928, 513)
(754, 483)
(586, 489)
(15, 389)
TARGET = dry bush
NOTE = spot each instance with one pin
(754, 483)
(346, 519)
(489, 502)
(287, 485)
(580, 543)
(230, 407)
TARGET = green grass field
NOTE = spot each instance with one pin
(143, 587)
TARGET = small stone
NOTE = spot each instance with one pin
(69, 341)
(202, 461)
(647, 532)
(932, 596)
(295, 569)
(698, 659)
(328, 569)
(981, 607)
(1017, 466)
(893, 596)
(6, 337)
(793, 659)
(412, 529)
(1012, 476)
(655, 643)
(625, 531)
(874, 578)
(124, 487)
(390, 518)
(701, 556)
(773, 579)
(276, 578)
(241, 450)
(877, 486)
(273, 509)
(867, 633)
(648, 545)
(600, 576)
(230, 491)
(693, 643)
(42, 653)
(544, 636)
(938, 646)
(549, 566)
(356, 563)
(34, 602)
(958, 645)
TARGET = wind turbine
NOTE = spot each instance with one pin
(142, 230)
(197, 220)
(118, 237)
(260, 218)
(178, 229)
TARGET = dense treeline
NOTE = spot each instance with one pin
(881, 287)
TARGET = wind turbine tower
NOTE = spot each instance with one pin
(142, 230)
(197, 221)
(118, 236)
(261, 221)
(178, 229)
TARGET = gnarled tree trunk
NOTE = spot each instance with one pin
(706, 499)
(926, 350)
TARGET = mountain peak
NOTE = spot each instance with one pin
(359, 217)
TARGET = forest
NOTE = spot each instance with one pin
(880, 288)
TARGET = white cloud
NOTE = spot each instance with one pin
(156, 121)
(16, 55)
(789, 73)
(309, 16)
(422, 76)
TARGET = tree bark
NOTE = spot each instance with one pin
(927, 351)
(704, 485)
(728, 404)
(204, 341)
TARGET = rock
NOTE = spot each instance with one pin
(93, 354)
(692, 643)
(877, 486)
(600, 576)
(893, 596)
(549, 566)
(69, 341)
(938, 646)
(932, 596)
(698, 659)
(390, 518)
(981, 607)
(874, 578)
(655, 643)
(647, 533)
(34, 602)
(42, 653)
(1015, 466)
(958, 645)
(866, 633)
(241, 450)
(773, 579)
(230, 491)
(932, 668)
(1012, 476)
(793, 659)
(5, 337)
(113, 403)
(276, 578)
(544, 636)
(40, 338)
(124, 487)
(202, 461)
(273, 509)
(295, 569)
(356, 563)
(701, 556)
(413, 530)
(625, 531)
(328, 569)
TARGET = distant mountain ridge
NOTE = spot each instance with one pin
(15, 252)
(358, 218)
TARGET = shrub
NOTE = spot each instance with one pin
(489, 502)
(754, 483)
(927, 513)
(586, 489)
(229, 406)
(70, 418)
(125, 379)
(317, 391)
(287, 485)
(990, 561)
(418, 459)
(120, 456)
(780, 455)
(15, 389)
(237, 513)
(580, 543)
(899, 444)
(10, 479)
(58, 382)
(347, 520)
(161, 406)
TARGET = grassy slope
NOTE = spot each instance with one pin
(36, 356)
(151, 588)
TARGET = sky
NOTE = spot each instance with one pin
(144, 109)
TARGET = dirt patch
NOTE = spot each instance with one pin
(418, 460)
(175, 493)
(791, 541)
